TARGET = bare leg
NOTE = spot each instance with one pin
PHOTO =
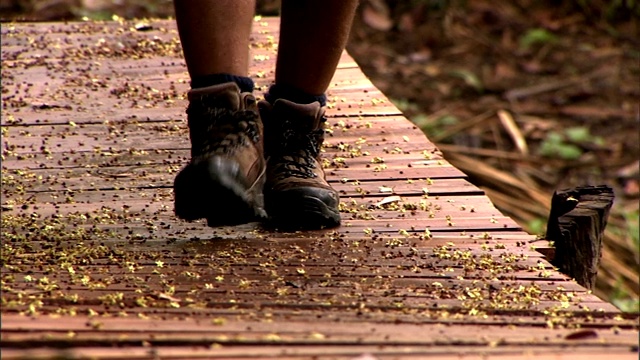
(223, 181)
(215, 35)
(313, 34)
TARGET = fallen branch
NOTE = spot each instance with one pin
(514, 131)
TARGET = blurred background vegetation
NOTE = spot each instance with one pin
(524, 96)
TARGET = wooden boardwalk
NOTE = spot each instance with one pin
(94, 264)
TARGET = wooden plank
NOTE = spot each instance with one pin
(432, 189)
(341, 352)
(424, 317)
(382, 221)
(437, 317)
(93, 132)
(397, 286)
(160, 105)
(159, 82)
(193, 338)
(186, 332)
(143, 177)
(376, 332)
(153, 137)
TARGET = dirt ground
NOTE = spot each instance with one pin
(524, 96)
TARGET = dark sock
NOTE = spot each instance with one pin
(279, 91)
(244, 83)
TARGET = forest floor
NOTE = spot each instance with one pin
(526, 97)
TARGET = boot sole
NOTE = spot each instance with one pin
(302, 213)
(209, 192)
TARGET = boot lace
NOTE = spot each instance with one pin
(219, 131)
(296, 153)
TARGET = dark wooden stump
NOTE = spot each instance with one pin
(576, 224)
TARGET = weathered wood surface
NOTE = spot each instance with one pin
(94, 264)
(576, 225)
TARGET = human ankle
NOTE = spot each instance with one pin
(287, 92)
(245, 84)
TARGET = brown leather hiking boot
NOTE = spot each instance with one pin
(296, 192)
(224, 179)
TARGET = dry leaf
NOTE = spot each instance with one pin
(163, 296)
(389, 200)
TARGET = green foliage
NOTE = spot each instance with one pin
(537, 226)
(555, 145)
(428, 124)
(581, 134)
(565, 144)
(404, 105)
(102, 15)
(469, 78)
(535, 37)
(434, 126)
(620, 295)
(624, 301)
(633, 223)
(631, 230)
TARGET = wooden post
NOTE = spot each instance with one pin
(576, 224)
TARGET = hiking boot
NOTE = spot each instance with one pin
(296, 191)
(224, 179)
